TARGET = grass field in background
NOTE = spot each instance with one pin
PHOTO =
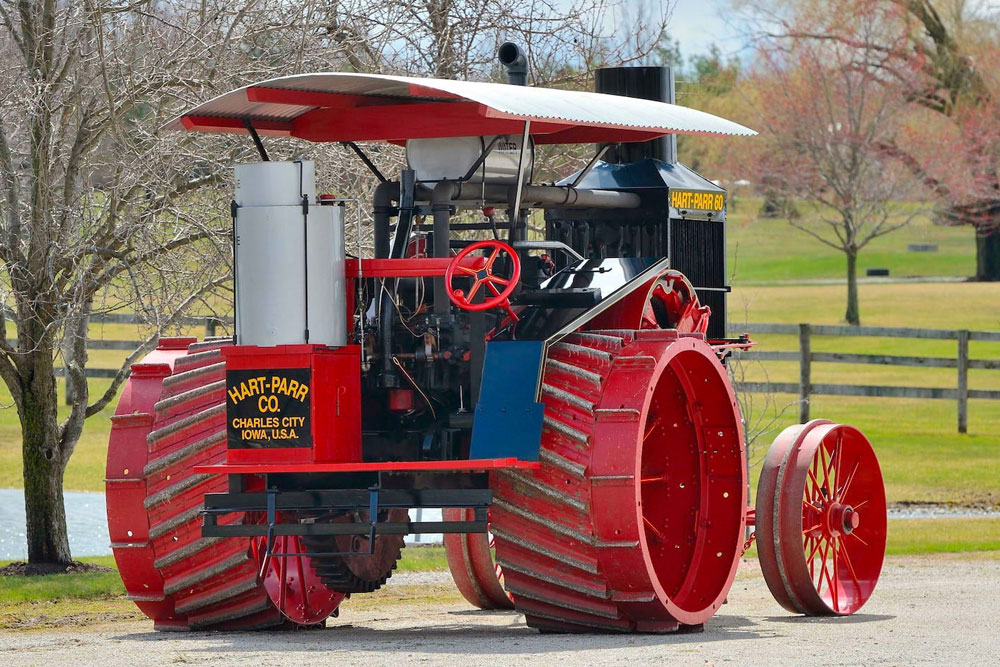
(767, 250)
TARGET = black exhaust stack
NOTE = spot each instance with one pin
(649, 83)
(516, 63)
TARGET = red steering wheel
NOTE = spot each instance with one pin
(482, 276)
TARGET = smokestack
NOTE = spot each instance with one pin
(650, 83)
(513, 59)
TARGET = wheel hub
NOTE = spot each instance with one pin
(841, 519)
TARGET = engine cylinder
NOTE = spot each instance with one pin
(289, 258)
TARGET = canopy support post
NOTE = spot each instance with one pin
(256, 140)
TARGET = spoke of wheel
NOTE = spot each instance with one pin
(811, 558)
(810, 561)
(652, 427)
(836, 577)
(839, 449)
(850, 478)
(472, 292)
(826, 459)
(860, 504)
(493, 288)
(651, 480)
(814, 472)
(822, 568)
(814, 486)
(809, 529)
(498, 280)
(465, 269)
(855, 536)
(655, 530)
(850, 566)
(493, 258)
(826, 570)
(808, 505)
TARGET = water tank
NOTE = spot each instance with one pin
(451, 158)
(289, 259)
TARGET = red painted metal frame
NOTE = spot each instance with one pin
(335, 405)
(385, 466)
(411, 267)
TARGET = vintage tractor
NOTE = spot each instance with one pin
(562, 396)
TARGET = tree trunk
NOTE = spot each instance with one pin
(988, 254)
(852, 316)
(44, 464)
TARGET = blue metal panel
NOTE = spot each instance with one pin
(508, 419)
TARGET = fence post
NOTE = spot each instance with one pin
(805, 370)
(210, 324)
(963, 381)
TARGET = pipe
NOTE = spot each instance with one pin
(541, 196)
(515, 61)
(385, 194)
(441, 198)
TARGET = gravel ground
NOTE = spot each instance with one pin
(927, 610)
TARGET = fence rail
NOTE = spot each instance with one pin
(806, 357)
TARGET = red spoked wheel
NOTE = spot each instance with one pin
(473, 567)
(482, 277)
(291, 583)
(821, 519)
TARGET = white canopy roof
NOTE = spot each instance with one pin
(341, 106)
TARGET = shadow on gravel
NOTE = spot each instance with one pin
(465, 638)
(841, 620)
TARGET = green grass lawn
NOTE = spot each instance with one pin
(767, 250)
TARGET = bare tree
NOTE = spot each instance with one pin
(825, 125)
(97, 212)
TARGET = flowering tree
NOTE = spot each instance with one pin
(940, 58)
(825, 125)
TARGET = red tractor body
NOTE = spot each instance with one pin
(563, 399)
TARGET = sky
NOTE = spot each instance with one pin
(697, 24)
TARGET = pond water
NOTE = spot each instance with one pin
(87, 521)
(85, 515)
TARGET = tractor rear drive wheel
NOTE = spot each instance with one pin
(171, 417)
(821, 519)
(635, 521)
(473, 566)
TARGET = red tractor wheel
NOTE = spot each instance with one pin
(472, 565)
(821, 519)
(635, 520)
(171, 417)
